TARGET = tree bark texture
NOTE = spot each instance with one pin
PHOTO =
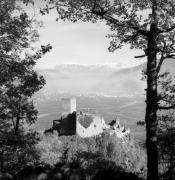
(151, 106)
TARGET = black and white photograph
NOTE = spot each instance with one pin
(87, 89)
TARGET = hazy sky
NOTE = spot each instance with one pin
(80, 43)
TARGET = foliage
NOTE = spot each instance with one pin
(18, 151)
(123, 17)
(166, 91)
(105, 152)
(49, 148)
(166, 145)
(70, 171)
(18, 82)
(166, 135)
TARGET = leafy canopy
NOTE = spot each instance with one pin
(18, 82)
(130, 20)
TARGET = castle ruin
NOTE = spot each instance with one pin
(84, 124)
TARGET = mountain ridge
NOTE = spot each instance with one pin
(98, 79)
(95, 79)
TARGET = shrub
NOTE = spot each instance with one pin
(94, 154)
(104, 151)
(49, 148)
(18, 151)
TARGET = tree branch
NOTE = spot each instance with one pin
(167, 172)
(166, 107)
(170, 56)
(141, 56)
(166, 101)
(117, 23)
(138, 32)
(135, 35)
(103, 14)
(160, 64)
(167, 30)
(162, 58)
(4, 14)
(5, 56)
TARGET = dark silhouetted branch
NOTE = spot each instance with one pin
(162, 57)
(166, 107)
(125, 24)
(141, 56)
(99, 11)
(160, 64)
(167, 30)
(170, 56)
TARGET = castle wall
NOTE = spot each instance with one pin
(95, 128)
(68, 125)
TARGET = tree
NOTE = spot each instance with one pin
(147, 25)
(18, 79)
(166, 133)
(16, 91)
(166, 145)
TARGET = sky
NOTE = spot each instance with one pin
(80, 43)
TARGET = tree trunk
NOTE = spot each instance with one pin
(151, 106)
(16, 129)
(17, 123)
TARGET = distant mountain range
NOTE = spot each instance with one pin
(97, 79)
(93, 79)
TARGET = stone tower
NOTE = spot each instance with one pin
(67, 123)
(68, 105)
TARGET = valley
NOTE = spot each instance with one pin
(128, 109)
